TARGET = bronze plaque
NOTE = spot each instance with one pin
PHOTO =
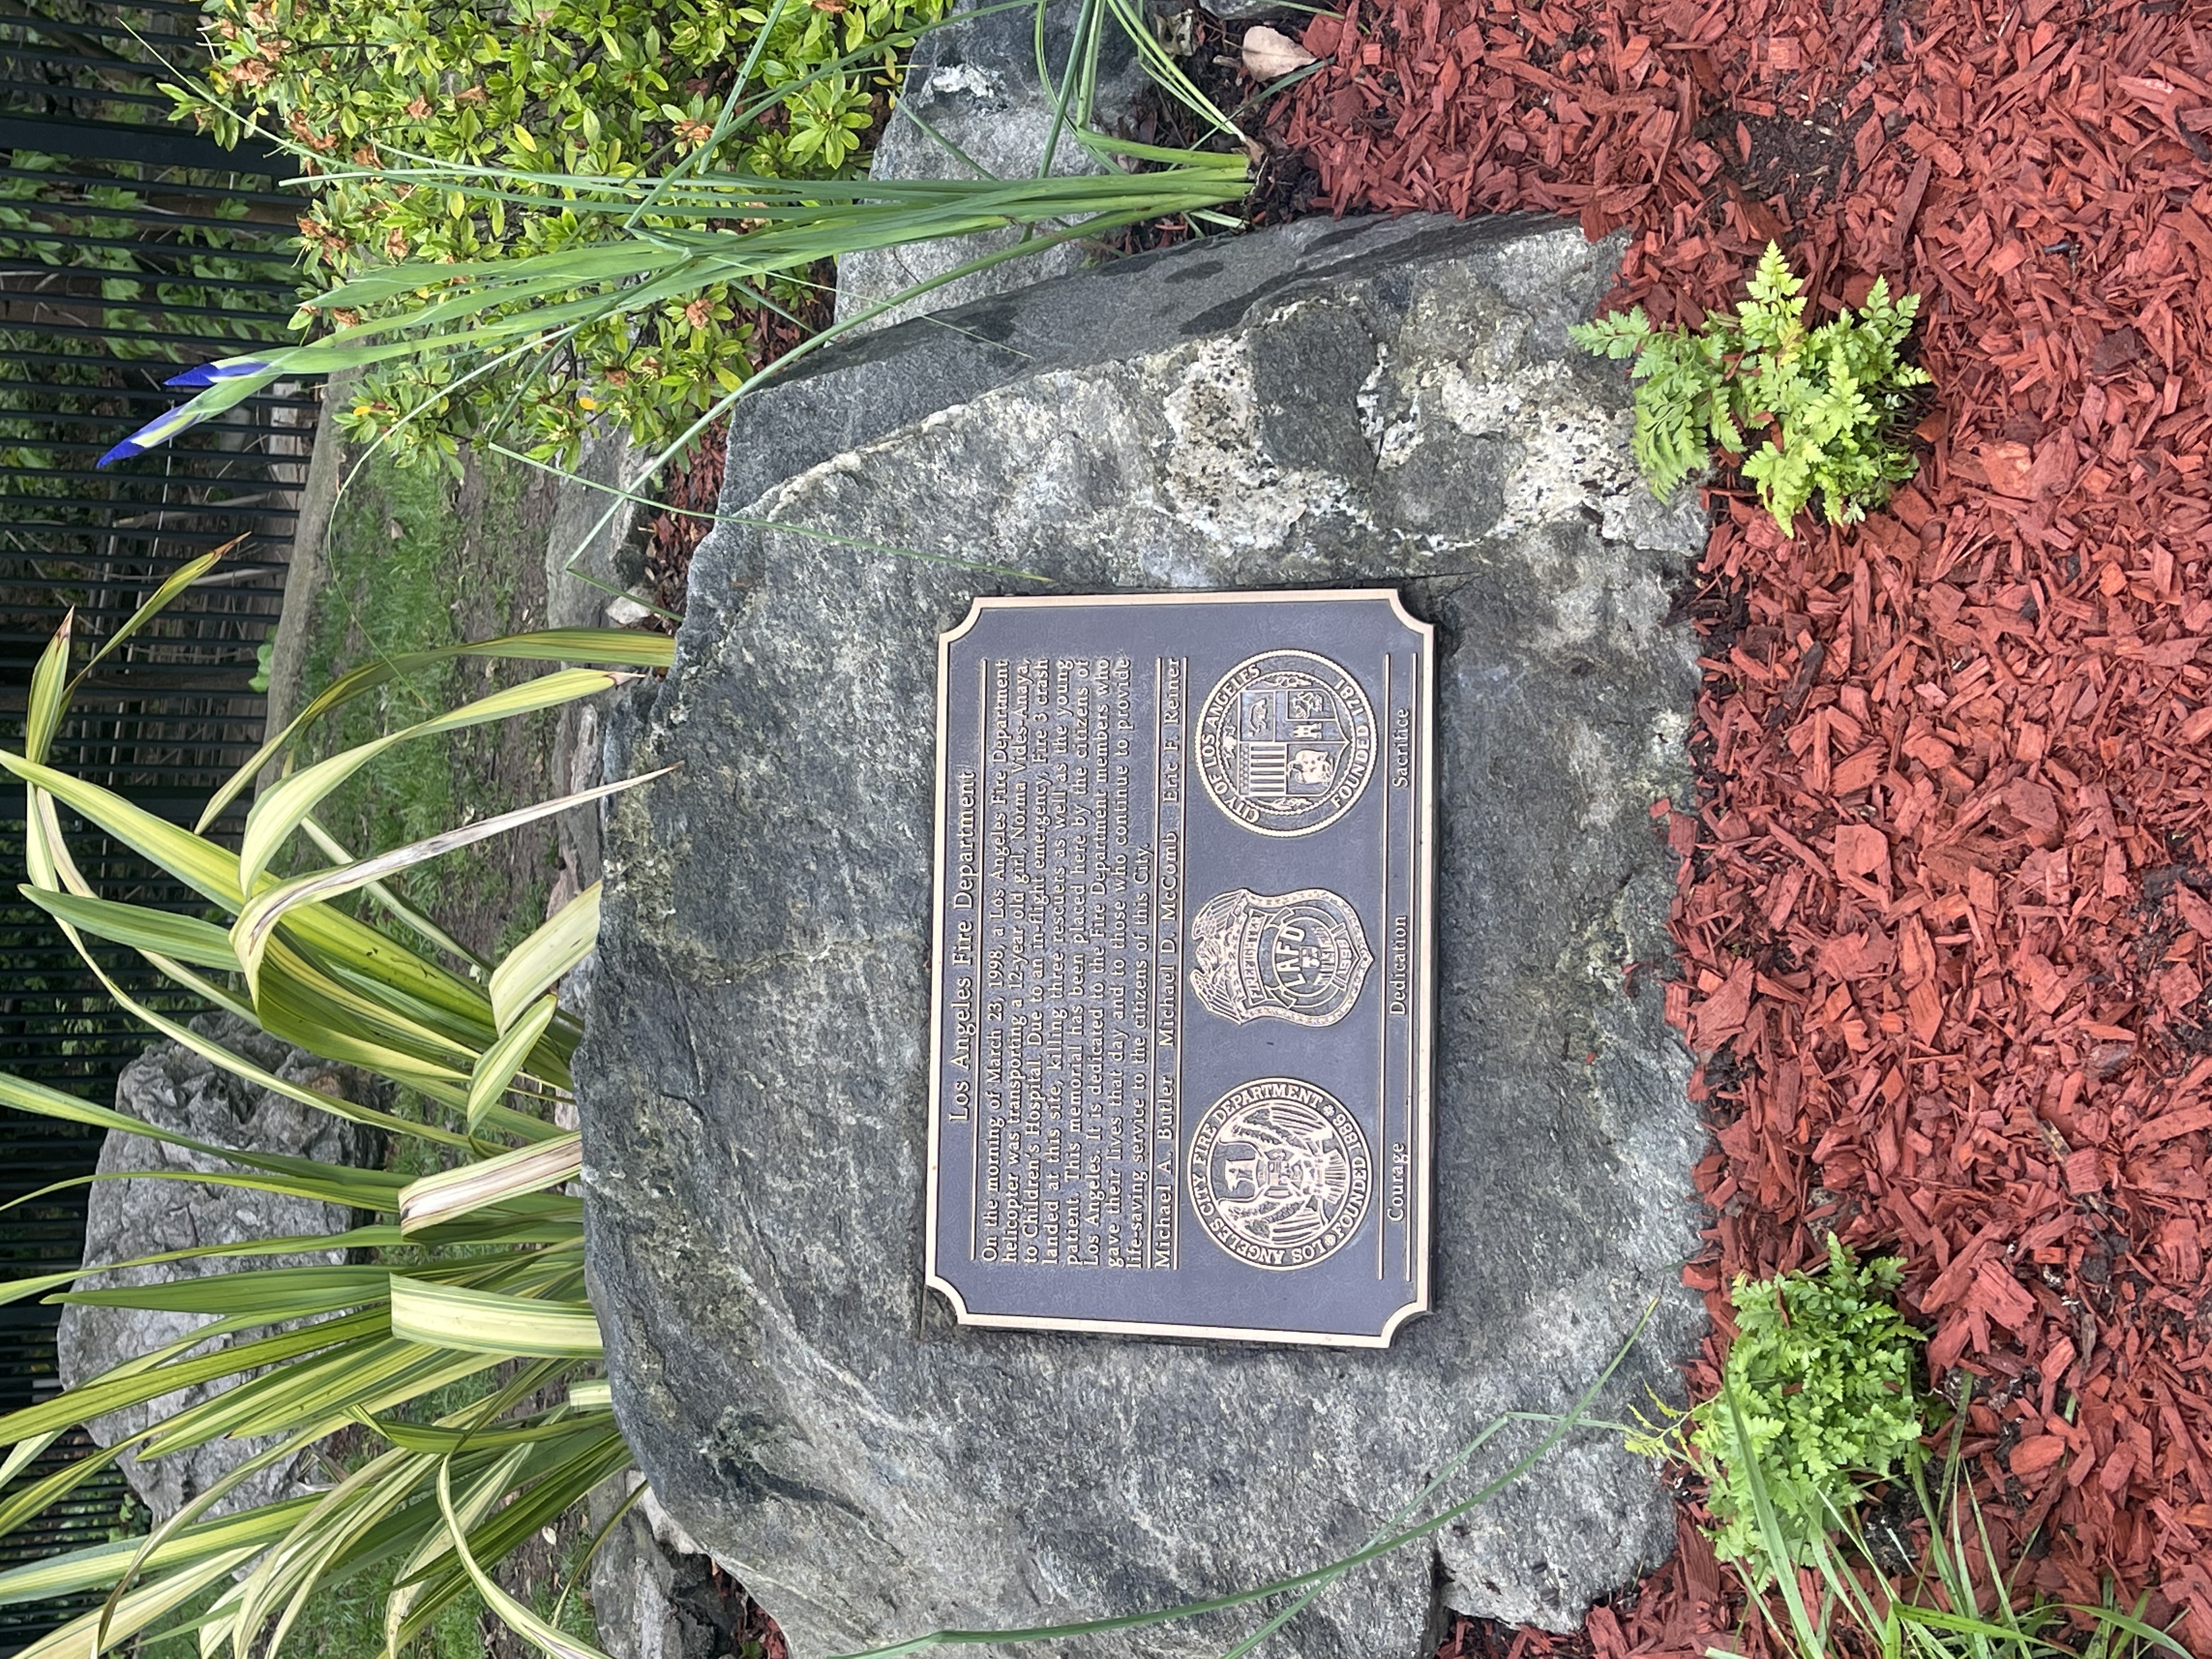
(1180, 1025)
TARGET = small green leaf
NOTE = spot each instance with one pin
(500, 1063)
(468, 1187)
(486, 1322)
(536, 965)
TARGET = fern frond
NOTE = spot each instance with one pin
(1773, 281)
(1618, 334)
(1836, 392)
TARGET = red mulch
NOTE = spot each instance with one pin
(691, 486)
(1946, 896)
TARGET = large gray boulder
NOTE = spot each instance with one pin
(173, 1088)
(1325, 404)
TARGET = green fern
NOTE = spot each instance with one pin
(1831, 400)
(1821, 1373)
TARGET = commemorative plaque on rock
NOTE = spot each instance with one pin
(1181, 1011)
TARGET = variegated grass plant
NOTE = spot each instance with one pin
(492, 1288)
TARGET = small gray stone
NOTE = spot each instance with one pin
(634, 1605)
(1382, 403)
(175, 1089)
(655, 1594)
(1261, 11)
(974, 86)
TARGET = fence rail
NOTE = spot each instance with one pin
(129, 246)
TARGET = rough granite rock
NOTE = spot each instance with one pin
(1386, 402)
(1293, 16)
(655, 1594)
(171, 1087)
(975, 85)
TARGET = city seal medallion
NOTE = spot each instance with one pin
(1280, 1174)
(1300, 957)
(1286, 742)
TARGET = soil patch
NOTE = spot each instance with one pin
(498, 586)
(691, 489)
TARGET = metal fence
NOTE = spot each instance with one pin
(129, 246)
(39, 1238)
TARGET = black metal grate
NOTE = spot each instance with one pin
(95, 1513)
(37, 1238)
(130, 247)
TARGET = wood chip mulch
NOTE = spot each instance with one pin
(1945, 895)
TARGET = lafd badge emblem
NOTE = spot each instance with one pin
(1285, 742)
(1280, 1175)
(1300, 957)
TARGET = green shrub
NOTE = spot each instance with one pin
(1832, 399)
(1955, 1600)
(609, 90)
(684, 240)
(1821, 1375)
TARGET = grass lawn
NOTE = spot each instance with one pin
(417, 560)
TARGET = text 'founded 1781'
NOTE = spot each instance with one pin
(1181, 1022)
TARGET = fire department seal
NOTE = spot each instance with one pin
(1280, 1175)
(1286, 742)
(1300, 957)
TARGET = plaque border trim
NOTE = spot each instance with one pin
(1423, 1079)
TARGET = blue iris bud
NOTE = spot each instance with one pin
(155, 432)
(208, 373)
(184, 417)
